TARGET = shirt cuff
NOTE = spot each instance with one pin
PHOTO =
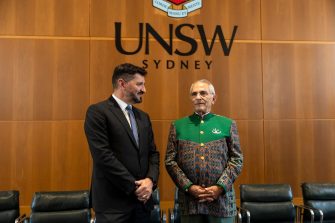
(187, 187)
(222, 186)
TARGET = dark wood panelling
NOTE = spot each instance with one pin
(216, 12)
(299, 151)
(44, 79)
(298, 20)
(43, 156)
(299, 81)
(237, 79)
(40, 17)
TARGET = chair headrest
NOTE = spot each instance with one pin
(265, 192)
(271, 211)
(83, 216)
(318, 191)
(60, 200)
(9, 200)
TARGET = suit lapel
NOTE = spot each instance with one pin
(115, 108)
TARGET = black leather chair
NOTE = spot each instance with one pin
(157, 215)
(60, 207)
(321, 197)
(9, 206)
(268, 203)
(174, 213)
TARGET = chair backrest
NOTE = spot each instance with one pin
(320, 196)
(176, 203)
(155, 215)
(268, 202)
(174, 213)
(9, 205)
(60, 206)
(155, 197)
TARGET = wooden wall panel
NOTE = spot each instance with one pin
(41, 17)
(299, 151)
(298, 20)
(299, 81)
(8, 157)
(44, 156)
(6, 80)
(251, 138)
(237, 79)
(44, 79)
(216, 12)
(70, 155)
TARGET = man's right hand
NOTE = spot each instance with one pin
(201, 193)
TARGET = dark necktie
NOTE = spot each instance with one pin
(132, 122)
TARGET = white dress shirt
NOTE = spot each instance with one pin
(123, 106)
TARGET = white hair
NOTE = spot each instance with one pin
(210, 86)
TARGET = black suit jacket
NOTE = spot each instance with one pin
(117, 160)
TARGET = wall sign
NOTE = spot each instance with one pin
(205, 42)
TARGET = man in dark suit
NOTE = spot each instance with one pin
(125, 159)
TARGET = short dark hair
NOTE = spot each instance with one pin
(127, 72)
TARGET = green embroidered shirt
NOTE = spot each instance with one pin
(204, 151)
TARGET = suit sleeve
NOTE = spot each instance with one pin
(176, 173)
(235, 160)
(102, 154)
(153, 171)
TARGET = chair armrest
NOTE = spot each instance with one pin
(163, 216)
(238, 216)
(242, 212)
(174, 215)
(92, 220)
(171, 215)
(22, 219)
(302, 208)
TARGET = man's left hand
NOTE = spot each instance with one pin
(216, 191)
(144, 189)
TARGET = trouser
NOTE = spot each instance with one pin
(205, 219)
(139, 215)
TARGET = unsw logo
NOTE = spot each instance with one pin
(200, 40)
(177, 8)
